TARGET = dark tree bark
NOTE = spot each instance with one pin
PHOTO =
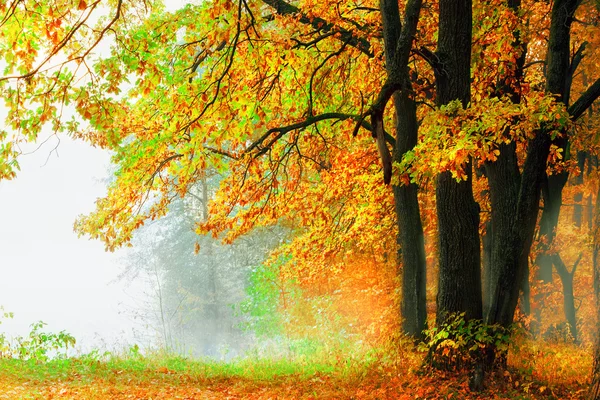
(566, 278)
(504, 180)
(594, 391)
(398, 39)
(510, 266)
(486, 277)
(559, 79)
(459, 287)
(552, 195)
(410, 237)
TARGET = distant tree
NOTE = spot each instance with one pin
(194, 293)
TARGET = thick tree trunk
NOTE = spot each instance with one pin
(504, 179)
(510, 264)
(459, 287)
(504, 182)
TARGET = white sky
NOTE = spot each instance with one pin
(46, 272)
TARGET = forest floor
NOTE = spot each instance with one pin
(544, 372)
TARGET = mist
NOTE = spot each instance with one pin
(50, 274)
(158, 294)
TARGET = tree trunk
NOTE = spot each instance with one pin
(504, 182)
(410, 237)
(594, 392)
(398, 40)
(511, 265)
(552, 195)
(578, 199)
(487, 244)
(526, 292)
(459, 287)
(566, 278)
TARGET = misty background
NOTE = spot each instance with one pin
(111, 301)
(173, 290)
(48, 273)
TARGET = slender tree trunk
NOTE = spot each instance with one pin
(552, 195)
(526, 292)
(459, 287)
(511, 265)
(410, 237)
(578, 198)
(594, 391)
(398, 40)
(566, 278)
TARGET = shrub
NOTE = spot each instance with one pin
(459, 344)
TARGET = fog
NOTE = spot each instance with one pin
(49, 274)
(111, 301)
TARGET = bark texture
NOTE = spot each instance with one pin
(398, 38)
(459, 286)
(510, 266)
(594, 391)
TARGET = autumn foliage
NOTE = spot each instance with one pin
(305, 110)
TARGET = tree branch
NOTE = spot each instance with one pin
(585, 100)
(561, 268)
(577, 57)
(284, 8)
(281, 131)
(376, 110)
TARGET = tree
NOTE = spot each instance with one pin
(293, 144)
(398, 39)
(517, 236)
(194, 292)
(459, 288)
(275, 93)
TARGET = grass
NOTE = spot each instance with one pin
(535, 371)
